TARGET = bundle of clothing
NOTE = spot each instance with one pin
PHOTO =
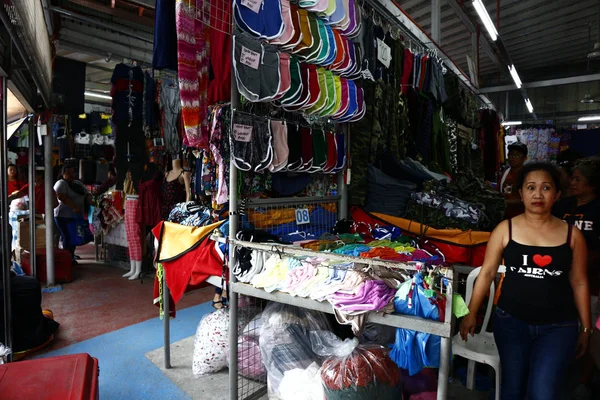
(259, 144)
(445, 211)
(190, 214)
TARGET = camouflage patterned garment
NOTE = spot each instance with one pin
(451, 206)
(360, 147)
(436, 218)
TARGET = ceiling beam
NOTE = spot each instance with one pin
(101, 47)
(545, 83)
(466, 20)
(102, 24)
(117, 38)
(117, 14)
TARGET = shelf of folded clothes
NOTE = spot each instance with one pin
(354, 289)
(395, 320)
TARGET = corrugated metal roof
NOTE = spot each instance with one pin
(536, 33)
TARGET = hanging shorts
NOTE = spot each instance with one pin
(306, 37)
(285, 82)
(298, 103)
(338, 15)
(293, 94)
(332, 156)
(256, 68)
(332, 47)
(251, 142)
(331, 5)
(312, 83)
(362, 107)
(353, 103)
(325, 45)
(264, 22)
(296, 39)
(311, 53)
(295, 147)
(288, 30)
(323, 97)
(319, 150)
(307, 149)
(344, 100)
(353, 25)
(281, 150)
(314, 5)
(341, 152)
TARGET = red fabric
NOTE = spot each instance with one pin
(123, 85)
(13, 186)
(219, 88)
(189, 271)
(150, 202)
(313, 84)
(40, 195)
(407, 71)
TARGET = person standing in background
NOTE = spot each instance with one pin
(517, 155)
(582, 210)
(40, 194)
(73, 197)
(14, 183)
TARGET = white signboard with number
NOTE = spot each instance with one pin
(302, 216)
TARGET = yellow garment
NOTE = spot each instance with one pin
(176, 240)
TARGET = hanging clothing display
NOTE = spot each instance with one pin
(193, 49)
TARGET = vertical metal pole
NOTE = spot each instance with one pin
(341, 179)
(506, 105)
(233, 228)
(166, 322)
(446, 340)
(436, 17)
(49, 187)
(5, 226)
(31, 194)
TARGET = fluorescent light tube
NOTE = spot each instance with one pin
(515, 76)
(512, 123)
(529, 105)
(98, 95)
(485, 18)
(591, 118)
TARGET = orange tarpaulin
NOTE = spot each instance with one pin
(464, 238)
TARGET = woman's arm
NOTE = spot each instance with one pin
(188, 186)
(579, 282)
(489, 269)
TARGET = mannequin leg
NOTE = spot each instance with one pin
(133, 236)
(138, 271)
(131, 270)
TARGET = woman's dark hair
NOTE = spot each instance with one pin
(590, 169)
(540, 166)
(65, 167)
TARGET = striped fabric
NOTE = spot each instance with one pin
(193, 64)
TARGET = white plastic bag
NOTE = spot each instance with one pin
(211, 344)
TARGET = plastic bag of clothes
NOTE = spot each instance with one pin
(211, 343)
(357, 372)
(285, 345)
(250, 363)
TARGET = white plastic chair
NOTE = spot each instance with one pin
(480, 348)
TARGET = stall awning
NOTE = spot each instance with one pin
(13, 127)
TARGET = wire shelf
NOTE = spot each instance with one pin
(215, 14)
(252, 375)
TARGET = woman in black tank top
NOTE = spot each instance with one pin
(543, 316)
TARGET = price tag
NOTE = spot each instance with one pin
(384, 53)
(302, 216)
(242, 133)
(250, 58)
(254, 5)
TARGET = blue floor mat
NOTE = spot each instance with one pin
(125, 373)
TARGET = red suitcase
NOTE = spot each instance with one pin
(63, 265)
(72, 377)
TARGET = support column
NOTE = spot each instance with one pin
(5, 230)
(31, 194)
(233, 229)
(48, 179)
(436, 19)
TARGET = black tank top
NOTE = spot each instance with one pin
(536, 287)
